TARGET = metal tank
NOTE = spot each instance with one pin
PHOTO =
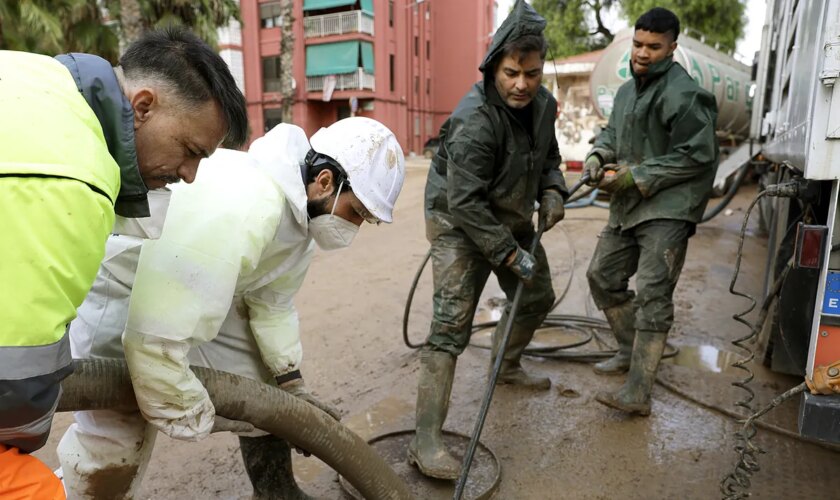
(728, 79)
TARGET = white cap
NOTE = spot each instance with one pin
(373, 159)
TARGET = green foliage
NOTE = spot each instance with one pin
(57, 26)
(574, 26)
(718, 22)
(201, 16)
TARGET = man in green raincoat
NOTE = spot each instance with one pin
(498, 157)
(661, 140)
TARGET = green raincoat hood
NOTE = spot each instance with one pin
(522, 20)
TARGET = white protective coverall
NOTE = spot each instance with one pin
(224, 267)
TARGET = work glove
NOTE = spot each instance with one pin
(222, 424)
(551, 208)
(523, 265)
(618, 181)
(595, 168)
(297, 388)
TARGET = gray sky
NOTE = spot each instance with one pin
(744, 51)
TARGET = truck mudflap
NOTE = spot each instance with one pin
(819, 417)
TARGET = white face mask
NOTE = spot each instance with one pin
(331, 232)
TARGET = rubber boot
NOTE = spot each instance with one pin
(427, 450)
(268, 462)
(634, 395)
(512, 372)
(622, 319)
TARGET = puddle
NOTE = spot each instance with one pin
(484, 477)
(706, 358)
(490, 309)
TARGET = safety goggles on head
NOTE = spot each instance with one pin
(364, 213)
(316, 159)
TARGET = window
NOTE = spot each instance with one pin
(429, 129)
(416, 46)
(271, 74)
(417, 125)
(416, 84)
(391, 73)
(272, 117)
(428, 86)
(270, 15)
(391, 13)
(343, 111)
(428, 49)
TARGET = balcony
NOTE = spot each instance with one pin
(358, 80)
(355, 21)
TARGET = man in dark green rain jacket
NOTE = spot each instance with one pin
(498, 157)
(661, 138)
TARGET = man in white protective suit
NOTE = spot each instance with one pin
(210, 281)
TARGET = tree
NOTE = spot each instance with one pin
(574, 26)
(203, 17)
(716, 22)
(131, 20)
(55, 26)
(287, 48)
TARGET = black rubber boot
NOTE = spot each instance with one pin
(427, 450)
(268, 462)
(622, 319)
(512, 372)
(634, 396)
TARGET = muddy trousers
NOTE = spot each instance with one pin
(105, 454)
(460, 272)
(655, 252)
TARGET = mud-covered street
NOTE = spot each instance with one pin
(555, 444)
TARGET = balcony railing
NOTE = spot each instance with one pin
(355, 21)
(358, 80)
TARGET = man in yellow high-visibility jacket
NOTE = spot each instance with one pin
(79, 141)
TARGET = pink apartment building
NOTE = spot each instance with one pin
(405, 63)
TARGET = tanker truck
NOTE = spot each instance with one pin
(729, 80)
(795, 128)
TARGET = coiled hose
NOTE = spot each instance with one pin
(98, 384)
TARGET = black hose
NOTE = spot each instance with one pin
(494, 377)
(733, 190)
(410, 299)
(747, 463)
(98, 384)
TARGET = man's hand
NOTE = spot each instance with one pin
(298, 388)
(222, 424)
(523, 264)
(595, 168)
(551, 208)
(619, 181)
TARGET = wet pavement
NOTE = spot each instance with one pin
(555, 444)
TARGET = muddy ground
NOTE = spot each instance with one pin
(555, 444)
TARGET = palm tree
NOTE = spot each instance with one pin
(204, 17)
(56, 26)
(287, 48)
(31, 25)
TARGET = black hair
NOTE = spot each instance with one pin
(523, 45)
(316, 162)
(659, 20)
(196, 73)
